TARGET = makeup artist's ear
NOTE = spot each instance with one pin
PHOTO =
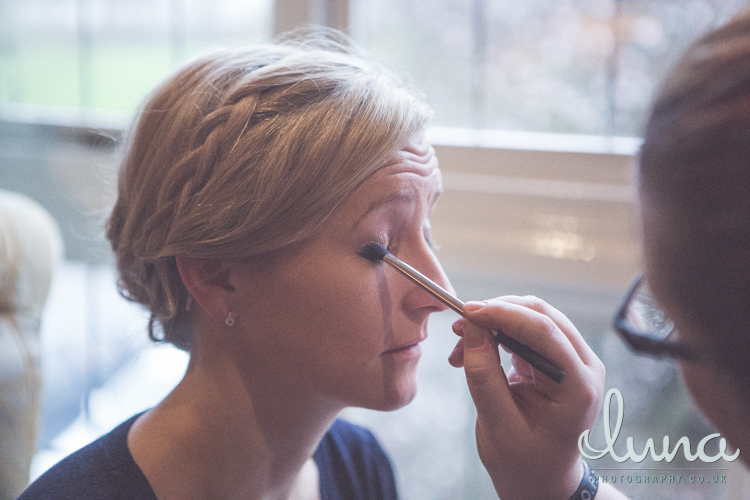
(207, 280)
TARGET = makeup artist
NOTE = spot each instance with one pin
(694, 184)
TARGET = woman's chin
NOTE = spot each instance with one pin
(387, 391)
(397, 396)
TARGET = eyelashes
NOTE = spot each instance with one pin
(384, 246)
(374, 252)
(390, 238)
(371, 249)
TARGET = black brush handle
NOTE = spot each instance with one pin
(532, 357)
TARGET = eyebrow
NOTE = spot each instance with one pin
(397, 197)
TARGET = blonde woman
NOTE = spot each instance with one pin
(252, 182)
(30, 250)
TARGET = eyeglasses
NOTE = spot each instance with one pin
(646, 328)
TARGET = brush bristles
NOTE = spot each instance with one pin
(374, 252)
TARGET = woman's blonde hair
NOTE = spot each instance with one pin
(244, 151)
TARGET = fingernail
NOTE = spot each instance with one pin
(473, 306)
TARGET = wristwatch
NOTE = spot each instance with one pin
(589, 484)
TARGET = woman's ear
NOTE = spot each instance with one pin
(207, 281)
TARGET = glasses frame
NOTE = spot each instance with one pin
(643, 344)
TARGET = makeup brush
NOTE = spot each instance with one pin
(377, 252)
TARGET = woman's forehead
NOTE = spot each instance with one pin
(410, 175)
(411, 178)
(401, 186)
(411, 172)
(417, 156)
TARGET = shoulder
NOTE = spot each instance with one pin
(102, 469)
(352, 462)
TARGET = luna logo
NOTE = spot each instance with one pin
(667, 455)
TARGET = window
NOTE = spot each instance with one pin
(107, 54)
(567, 66)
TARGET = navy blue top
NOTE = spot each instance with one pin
(352, 466)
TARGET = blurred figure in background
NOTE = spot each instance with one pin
(695, 204)
(30, 250)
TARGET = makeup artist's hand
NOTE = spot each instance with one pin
(527, 425)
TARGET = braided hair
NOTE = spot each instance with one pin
(244, 151)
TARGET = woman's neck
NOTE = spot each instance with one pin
(223, 433)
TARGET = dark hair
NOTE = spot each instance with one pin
(695, 173)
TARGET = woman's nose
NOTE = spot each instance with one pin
(425, 261)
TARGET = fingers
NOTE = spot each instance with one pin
(566, 326)
(520, 370)
(515, 378)
(522, 367)
(456, 358)
(526, 414)
(458, 326)
(530, 327)
(485, 376)
(540, 327)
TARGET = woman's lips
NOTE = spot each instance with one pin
(408, 350)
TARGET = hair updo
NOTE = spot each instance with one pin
(244, 151)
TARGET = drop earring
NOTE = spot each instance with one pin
(230, 320)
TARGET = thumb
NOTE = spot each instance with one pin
(485, 376)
